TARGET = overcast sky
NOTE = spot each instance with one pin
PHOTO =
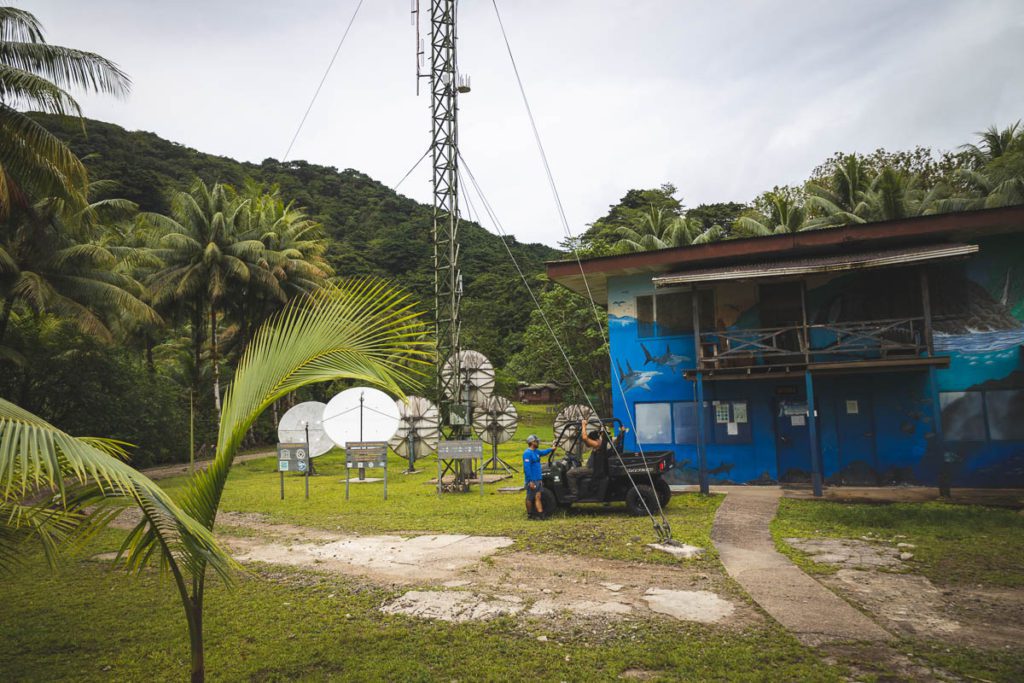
(723, 99)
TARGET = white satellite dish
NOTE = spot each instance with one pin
(360, 414)
(293, 425)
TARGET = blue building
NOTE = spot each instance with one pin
(905, 336)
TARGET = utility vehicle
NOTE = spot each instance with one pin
(612, 469)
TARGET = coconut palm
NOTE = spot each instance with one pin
(994, 143)
(208, 253)
(660, 229)
(35, 75)
(784, 214)
(839, 199)
(48, 263)
(363, 330)
(36, 458)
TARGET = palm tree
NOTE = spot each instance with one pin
(785, 214)
(363, 330)
(840, 198)
(37, 76)
(48, 263)
(994, 143)
(37, 458)
(207, 254)
(660, 229)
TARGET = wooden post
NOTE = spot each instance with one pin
(812, 435)
(926, 306)
(699, 396)
(803, 314)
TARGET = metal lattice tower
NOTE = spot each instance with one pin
(444, 88)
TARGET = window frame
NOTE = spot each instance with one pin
(655, 326)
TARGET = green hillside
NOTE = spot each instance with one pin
(372, 229)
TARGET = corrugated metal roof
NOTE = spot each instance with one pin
(821, 264)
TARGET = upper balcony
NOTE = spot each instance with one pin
(779, 350)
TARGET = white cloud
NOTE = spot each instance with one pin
(722, 99)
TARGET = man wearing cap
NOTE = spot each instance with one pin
(533, 476)
(594, 439)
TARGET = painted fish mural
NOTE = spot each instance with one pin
(635, 378)
(666, 360)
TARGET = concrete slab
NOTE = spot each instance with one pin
(682, 551)
(702, 606)
(409, 558)
(455, 606)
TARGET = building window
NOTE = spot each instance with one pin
(1004, 410)
(653, 423)
(963, 415)
(671, 314)
(645, 316)
(684, 422)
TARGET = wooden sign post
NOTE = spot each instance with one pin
(363, 454)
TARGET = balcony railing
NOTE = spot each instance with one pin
(825, 342)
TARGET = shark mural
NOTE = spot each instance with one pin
(635, 378)
(666, 360)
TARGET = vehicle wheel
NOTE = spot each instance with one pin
(637, 496)
(664, 492)
(548, 501)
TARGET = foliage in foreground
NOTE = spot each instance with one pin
(363, 330)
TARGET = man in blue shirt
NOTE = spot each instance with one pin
(532, 474)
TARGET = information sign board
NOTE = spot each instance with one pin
(363, 454)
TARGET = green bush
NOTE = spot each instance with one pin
(88, 388)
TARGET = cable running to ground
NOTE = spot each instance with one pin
(322, 81)
(414, 167)
(568, 232)
(663, 530)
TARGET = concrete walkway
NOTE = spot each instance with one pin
(810, 611)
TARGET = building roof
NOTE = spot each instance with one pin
(819, 264)
(763, 251)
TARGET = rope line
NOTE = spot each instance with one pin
(662, 530)
(414, 167)
(579, 263)
(322, 81)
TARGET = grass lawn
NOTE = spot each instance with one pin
(414, 506)
(955, 543)
(91, 623)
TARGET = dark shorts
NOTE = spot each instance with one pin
(533, 493)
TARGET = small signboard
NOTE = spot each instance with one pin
(293, 457)
(469, 449)
(363, 454)
(460, 450)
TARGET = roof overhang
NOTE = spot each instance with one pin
(968, 226)
(822, 264)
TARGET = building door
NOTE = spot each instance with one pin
(855, 429)
(792, 440)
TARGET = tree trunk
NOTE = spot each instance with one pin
(277, 420)
(5, 316)
(213, 359)
(150, 364)
(195, 637)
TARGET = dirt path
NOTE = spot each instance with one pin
(460, 578)
(810, 611)
(181, 469)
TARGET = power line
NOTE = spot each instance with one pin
(568, 234)
(414, 166)
(322, 81)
